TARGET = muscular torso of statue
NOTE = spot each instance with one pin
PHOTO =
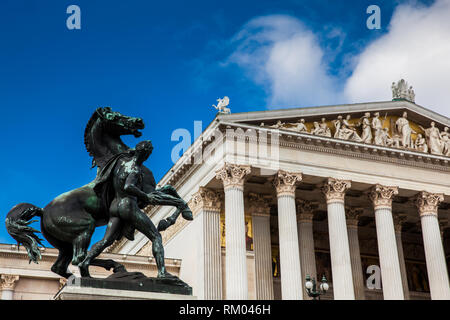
(128, 190)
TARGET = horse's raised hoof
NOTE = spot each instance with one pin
(187, 214)
(163, 225)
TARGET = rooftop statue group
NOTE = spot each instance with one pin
(372, 131)
(123, 186)
(400, 91)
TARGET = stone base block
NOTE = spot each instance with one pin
(86, 293)
(125, 285)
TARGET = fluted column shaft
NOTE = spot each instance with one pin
(341, 267)
(259, 207)
(355, 254)
(212, 255)
(206, 204)
(7, 285)
(427, 204)
(398, 221)
(391, 277)
(305, 213)
(291, 276)
(236, 253)
(260, 210)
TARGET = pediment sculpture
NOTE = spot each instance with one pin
(386, 131)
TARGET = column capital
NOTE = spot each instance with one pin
(259, 204)
(8, 281)
(352, 215)
(205, 199)
(334, 189)
(233, 175)
(428, 203)
(285, 182)
(399, 220)
(305, 210)
(381, 196)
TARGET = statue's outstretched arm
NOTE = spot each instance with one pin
(131, 189)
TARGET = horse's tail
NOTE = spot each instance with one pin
(17, 223)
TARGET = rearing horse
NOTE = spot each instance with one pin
(69, 221)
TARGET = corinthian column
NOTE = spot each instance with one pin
(291, 276)
(7, 284)
(341, 267)
(305, 214)
(232, 177)
(428, 203)
(352, 215)
(391, 277)
(260, 209)
(206, 205)
(399, 219)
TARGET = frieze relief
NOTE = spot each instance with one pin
(377, 129)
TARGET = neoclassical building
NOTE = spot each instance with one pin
(335, 190)
(338, 191)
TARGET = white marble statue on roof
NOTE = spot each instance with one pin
(400, 90)
(222, 105)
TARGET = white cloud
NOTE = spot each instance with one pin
(416, 48)
(282, 54)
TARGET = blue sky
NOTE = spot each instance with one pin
(167, 62)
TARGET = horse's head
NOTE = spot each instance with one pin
(118, 124)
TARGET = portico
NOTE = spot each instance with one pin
(291, 204)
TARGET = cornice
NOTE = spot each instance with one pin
(290, 139)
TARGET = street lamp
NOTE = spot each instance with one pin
(311, 288)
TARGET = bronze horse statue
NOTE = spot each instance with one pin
(69, 221)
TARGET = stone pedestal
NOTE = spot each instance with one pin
(87, 293)
(125, 286)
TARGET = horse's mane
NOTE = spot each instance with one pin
(87, 132)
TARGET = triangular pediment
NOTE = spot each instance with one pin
(398, 124)
(416, 113)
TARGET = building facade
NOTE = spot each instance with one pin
(341, 191)
(20, 280)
